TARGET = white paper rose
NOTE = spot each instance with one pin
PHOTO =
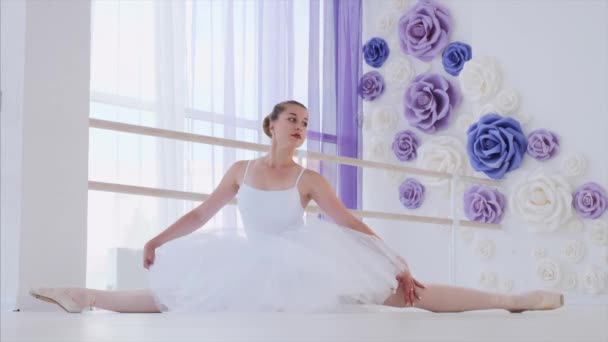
(575, 225)
(464, 122)
(507, 102)
(574, 165)
(539, 253)
(543, 200)
(480, 79)
(570, 282)
(487, 279)
(548, 272)
(506, 285)
(599, 232)
(386, 23)
(594, 280)
(485, 249)
(378, 149)
(443, 154)
(384, 120)
(574, 251)
(400, 71)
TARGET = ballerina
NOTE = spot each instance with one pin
(284, 263)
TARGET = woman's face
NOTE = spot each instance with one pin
(290, 127)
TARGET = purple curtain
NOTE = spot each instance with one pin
(347, 14)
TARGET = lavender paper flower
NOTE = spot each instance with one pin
(405, 145)
(542, 144)
(371, 85)
(411, 193)
(589, 200)
(454, 56)
(495, 145)
(483, 204)
(424, 30)
(375, 52)
(429, 101)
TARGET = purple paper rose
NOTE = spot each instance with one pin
(429, 101)
(375, 52)
(424, 30)
(483, 204)
(411, 193)
(371, 85)
(495, 145)
(405, 145)
(542, 144)
(454, 56)
(590, 201)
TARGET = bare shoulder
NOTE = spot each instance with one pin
(235, 173)
(311, 181)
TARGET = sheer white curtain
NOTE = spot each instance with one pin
(206, 67)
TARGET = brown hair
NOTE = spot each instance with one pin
(274, 115)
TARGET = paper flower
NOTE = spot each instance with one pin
(574, 251)
(593, 280)
(443, 154)
(405, 145)
(570, 282)
(378, 149)
(542, 144)
(543, 200)
(429, 102)
(495, 145)
(485, 249)
(424, 30)
(383, 120)
(539, 253)
(548, 272)
(590, 201)
(506, 102)
(483, 204)
(387, 22)
(574, 165)
(375, 52)
(454, 56)
(480, 79)
(599, 232)
(487, 279)
(411, 193)
(371, 86)
(400, 71)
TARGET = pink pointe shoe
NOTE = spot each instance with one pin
(538, 300)
(58, 296)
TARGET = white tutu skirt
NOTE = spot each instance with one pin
(316, 267)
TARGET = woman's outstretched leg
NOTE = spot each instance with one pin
(140, 301)
(446, 298)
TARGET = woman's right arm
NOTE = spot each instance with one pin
(198, 216)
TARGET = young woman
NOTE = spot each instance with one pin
(283, 263)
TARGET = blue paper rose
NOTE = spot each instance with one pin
(454, 56)
(495, 145)
(375, 52)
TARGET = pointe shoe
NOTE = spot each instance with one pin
(57, 296)
(548, 301)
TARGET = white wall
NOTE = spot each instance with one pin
(555, 55)
(12, 29)
(46, 76)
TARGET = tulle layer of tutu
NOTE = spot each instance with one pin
(316, 267)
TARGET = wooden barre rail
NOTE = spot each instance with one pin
(193, 196)
(204, 139)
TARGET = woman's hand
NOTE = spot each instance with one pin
(410, 287)
(149, 254)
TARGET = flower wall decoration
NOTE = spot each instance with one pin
(443, 154)
(480, 79)
(371, 86)
(496, 145)
(542, 144)
(424, 30)
(411, 193)
(454, 56)
(429, 102)
(405, 145)
(590, 200)
(375, 52)
(549, 272)
(483, 204)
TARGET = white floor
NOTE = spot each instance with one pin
(570, 323)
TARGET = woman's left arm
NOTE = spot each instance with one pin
(322, 193)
